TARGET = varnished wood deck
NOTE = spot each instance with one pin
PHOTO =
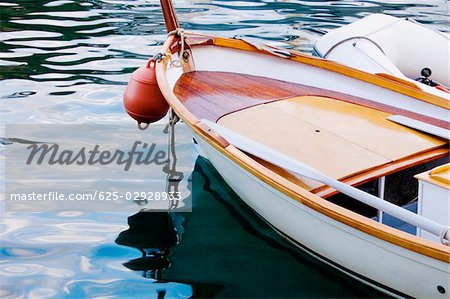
(218, 95)
(337, 138)
(212, 95)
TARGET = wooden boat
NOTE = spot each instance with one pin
(303, 141)
(397, 47)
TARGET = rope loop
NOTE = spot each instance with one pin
(444, 231)
(158, 57)
(178, 32)
(151, 62)
(143, 126)
(352, 38)
(173, 120)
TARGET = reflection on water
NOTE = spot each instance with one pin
(67, 61)
(153, 234)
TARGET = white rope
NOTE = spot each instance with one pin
(442, 235)
(349, 39)
(272, 50)
(180, 32)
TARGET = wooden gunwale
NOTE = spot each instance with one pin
(352, 219)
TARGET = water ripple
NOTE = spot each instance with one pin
(27, 34)
(66, 23)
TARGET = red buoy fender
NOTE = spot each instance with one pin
(143, 99)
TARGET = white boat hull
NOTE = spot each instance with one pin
(387, 267)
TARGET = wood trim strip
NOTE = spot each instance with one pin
(400, 80)
(378, 230)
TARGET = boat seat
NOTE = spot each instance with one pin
(339, 139)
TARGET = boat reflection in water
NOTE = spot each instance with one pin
(153, 234)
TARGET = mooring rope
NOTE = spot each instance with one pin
(178, 32)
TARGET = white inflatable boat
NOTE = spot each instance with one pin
(390, 46)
